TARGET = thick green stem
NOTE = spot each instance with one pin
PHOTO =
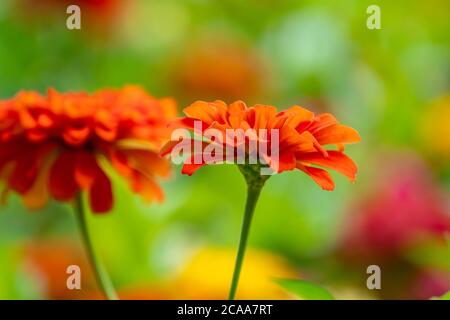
(254, 186)
(101, 276)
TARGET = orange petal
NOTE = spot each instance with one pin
(188, 145)
(119, 161)
(24, 173)
(27, 120)
(76, 136)
(184, 122)
(206, 111)
(261, 115)
(237, 107)
(322, 121)
(62, 182)
(320, 176)
(45, 121)
(291, 139)
(236, 112)
(36, 135)
(285, 162)
(106, 130)
(148, 163)
(28, 163)
(297, 115)
(86, 168)
(309, 144)
(336, 160)
(168, 147)
(8, 153)
(336, 134)
(150, 190)
(190, 168)
(100, 194)
(146, 187)
(37, 196)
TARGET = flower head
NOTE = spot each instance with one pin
(58, 145)
(291, 139)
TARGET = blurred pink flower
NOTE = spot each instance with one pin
(430, 284)
(404, 207)
(404, 211)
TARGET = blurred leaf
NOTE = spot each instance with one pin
(431, 253)
(445, 296)
(305, 290)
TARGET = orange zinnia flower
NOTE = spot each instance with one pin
(53, 146)
(297, 139)
(301, 143)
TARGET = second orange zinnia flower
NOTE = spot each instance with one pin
(58, 145)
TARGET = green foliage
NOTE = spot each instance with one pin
(445, 296)
(305, 290)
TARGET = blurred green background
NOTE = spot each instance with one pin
(392, 85)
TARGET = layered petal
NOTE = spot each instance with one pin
(62, 182)
(191, 166)
(294, 138)
(100, 193)
(320, 176)
(337, 134)
(335, 160)
(86, 169)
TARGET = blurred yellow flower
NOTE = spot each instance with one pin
(204, 276)
(436, 128)
(208, 274)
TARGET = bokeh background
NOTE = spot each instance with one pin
(391, 84)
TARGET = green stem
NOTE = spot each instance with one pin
(253, 191)
(101, 276)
